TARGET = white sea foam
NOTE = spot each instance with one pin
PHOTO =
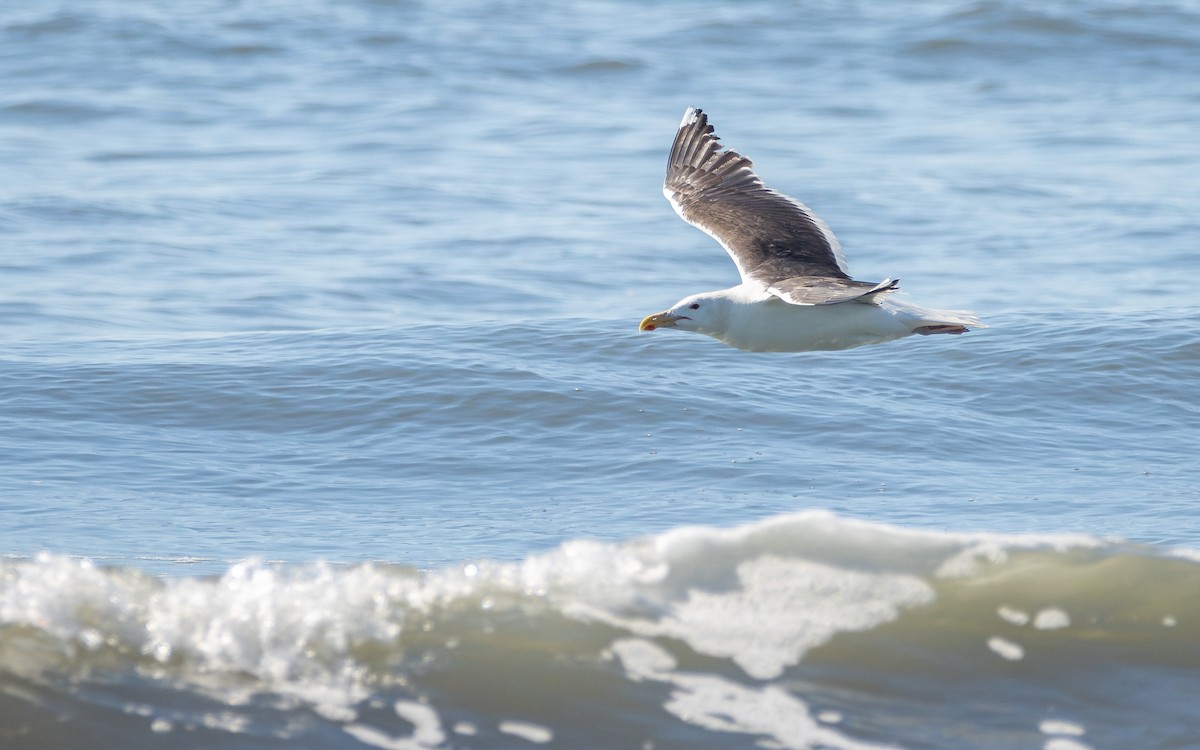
(1065, 743)
(465, 728)
(375, 737)
(782, 608)
(1014, 616)
(1051, 618)
(526, 730)
(427, 726)
(1061, 726)
(722, 705)
(762, 600)
(1010, 650)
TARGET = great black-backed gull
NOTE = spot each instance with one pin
(795, 293)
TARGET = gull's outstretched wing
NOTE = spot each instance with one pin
(774, 241)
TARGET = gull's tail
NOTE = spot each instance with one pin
(925, 321)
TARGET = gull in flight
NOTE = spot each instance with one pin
(795, 294)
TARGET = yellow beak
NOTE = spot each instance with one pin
(658, 320)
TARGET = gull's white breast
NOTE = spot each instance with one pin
(772, 325)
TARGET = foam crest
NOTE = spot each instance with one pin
(756, 603)
(302, 631)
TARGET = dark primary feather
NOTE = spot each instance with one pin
(773, 239)
(824, 290)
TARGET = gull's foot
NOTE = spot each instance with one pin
(927, 330)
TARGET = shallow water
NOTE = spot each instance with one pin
(429, 445)
(312, 310)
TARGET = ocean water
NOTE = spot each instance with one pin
(325, 421)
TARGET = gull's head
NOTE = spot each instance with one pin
(703, 313)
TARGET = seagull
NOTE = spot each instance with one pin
(795, 295)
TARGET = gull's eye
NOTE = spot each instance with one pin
(695, 305)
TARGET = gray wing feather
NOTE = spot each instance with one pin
(823, 290)
(774, 240)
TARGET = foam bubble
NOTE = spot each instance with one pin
(465, 728)
(1064, 743)
(427, 726)
(161, 726)
(1061, 726)
(526, 730)
(1006, 649)
(1013, 616)
(369, 735)
(1051, 618)
(642, 659)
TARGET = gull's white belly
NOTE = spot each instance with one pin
(777, 326)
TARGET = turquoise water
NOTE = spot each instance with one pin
(312, 310)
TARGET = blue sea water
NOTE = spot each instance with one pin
(325, 420)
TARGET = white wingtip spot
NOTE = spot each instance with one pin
(689, 117)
